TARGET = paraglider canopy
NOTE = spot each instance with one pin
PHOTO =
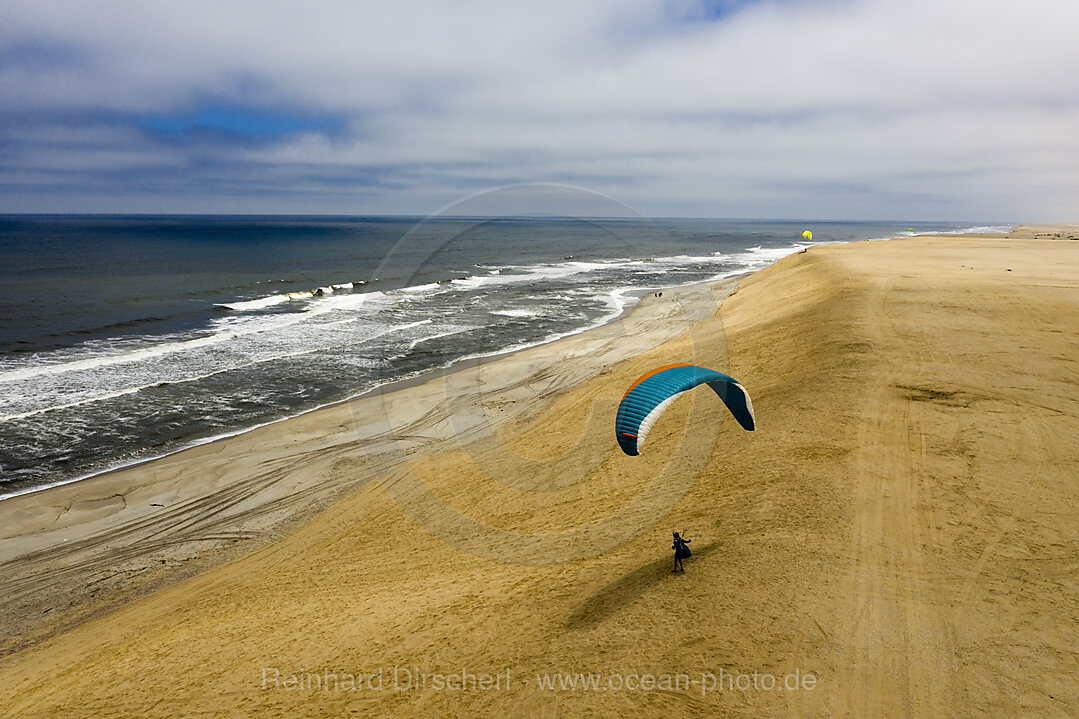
(648, 397)
(806, 234)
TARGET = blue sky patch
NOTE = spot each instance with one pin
(706, 10)
(249, 122)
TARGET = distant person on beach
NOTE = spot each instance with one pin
(681, 551)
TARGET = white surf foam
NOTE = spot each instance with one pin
(453, 331)
(515, 313)
(977, 230)
(259, 303)
(256, 304)
(420, 289)
(222, 330)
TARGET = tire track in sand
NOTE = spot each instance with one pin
(896, 645)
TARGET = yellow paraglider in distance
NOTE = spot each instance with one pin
(807, 235)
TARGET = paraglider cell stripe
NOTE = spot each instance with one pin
(653, 392)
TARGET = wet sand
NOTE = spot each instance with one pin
(903, 527)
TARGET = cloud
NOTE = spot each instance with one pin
(769, 108)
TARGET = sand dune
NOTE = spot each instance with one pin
(903, 527)
(82, 549)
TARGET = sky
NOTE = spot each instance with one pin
(948, 110)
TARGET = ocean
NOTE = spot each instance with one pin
(124, 338)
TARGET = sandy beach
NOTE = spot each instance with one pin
(899, 537)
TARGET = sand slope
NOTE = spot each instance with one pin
(79, 550)
(904, 526)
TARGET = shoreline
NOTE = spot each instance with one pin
(31, 523)
(390, 385)
(151, 456)
(909, 486)
(154, 569)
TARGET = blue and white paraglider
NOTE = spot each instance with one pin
(648, 397)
